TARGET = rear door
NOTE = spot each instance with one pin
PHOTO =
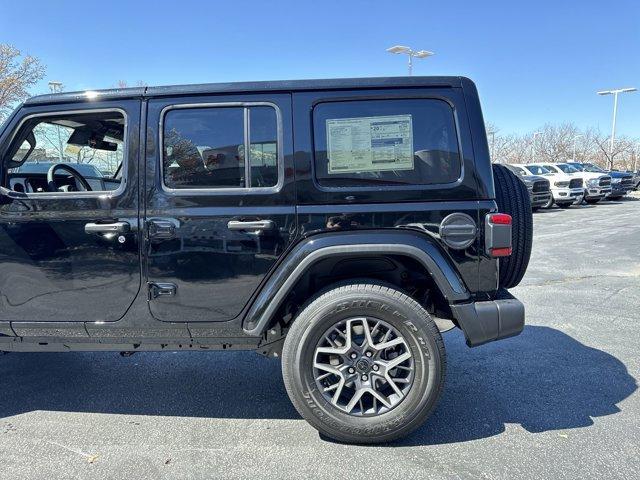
(388, 158)
(220, 203)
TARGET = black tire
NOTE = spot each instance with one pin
(592, 201)
(549, 204)
(379, 302)
(512, 197)
(617, 197)
(565, 205)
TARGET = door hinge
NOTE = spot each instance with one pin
(161, 290)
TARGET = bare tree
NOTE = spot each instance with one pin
(520, 149)
(86, 155)
(16, 76)
(501, 147)
(558, 143)
(52, 139)
(620, 146)
(555, 143)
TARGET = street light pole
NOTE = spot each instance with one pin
(615, 112)
(493, 145)
(399, 49)
(56, 87)
(574, 146)
(533, 144)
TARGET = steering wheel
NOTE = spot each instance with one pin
(51, 184)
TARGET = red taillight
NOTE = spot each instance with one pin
(498, 234)
(500, 252)
(500, 219)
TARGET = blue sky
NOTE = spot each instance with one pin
(533, 62)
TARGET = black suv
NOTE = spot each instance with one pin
(339, 224)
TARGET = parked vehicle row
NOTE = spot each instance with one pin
(621, 182)
(571, 183)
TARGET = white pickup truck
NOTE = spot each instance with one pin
(566, 189)
(597, 185)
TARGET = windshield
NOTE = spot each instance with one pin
(590, 167)
(566, 168)
(553, 169)
(578, 167)
(516, 170)
(538, 170)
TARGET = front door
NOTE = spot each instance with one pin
(220, 203)
(69, 249)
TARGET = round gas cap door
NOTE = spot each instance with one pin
(458, 230)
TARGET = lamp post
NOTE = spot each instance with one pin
(533, 144)
(574, 146)
(493, 146)
(56, 87)
(399, 49)
(615, 111)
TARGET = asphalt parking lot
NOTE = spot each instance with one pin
(559, 401)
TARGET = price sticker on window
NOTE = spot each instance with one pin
(370, 144)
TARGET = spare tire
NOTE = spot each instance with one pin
(512, 197)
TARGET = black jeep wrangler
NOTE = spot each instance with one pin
(339, 224)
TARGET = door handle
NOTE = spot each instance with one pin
(114, 227)
(251, 225)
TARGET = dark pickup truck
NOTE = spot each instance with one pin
(539, 187)
(341, 225)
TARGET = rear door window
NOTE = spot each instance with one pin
(205, 147)
(386, 142)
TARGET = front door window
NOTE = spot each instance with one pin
(66, 153)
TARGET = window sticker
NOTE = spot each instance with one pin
(370, 144)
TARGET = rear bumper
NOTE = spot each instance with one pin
(484, 322)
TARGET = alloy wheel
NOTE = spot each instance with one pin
(363, 366)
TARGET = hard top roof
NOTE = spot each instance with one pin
(240, 87)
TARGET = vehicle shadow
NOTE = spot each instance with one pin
(190, 384)
(542, 380)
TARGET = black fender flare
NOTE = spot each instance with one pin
(308, 251)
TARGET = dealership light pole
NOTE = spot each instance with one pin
(399, 49)
(615, 111)
(533, 144)
(574, 145)
(56, 87)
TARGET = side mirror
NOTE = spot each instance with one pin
(31, 141)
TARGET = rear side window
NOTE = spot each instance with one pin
(206, 148)
(386, 142)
